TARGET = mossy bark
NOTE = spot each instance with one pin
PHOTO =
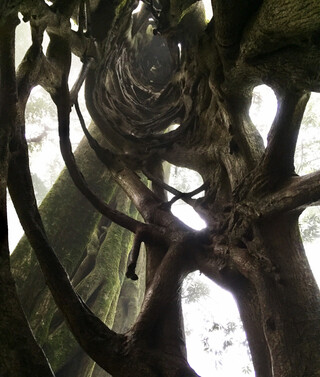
(93, 251)
(116, 300)
(100, 289)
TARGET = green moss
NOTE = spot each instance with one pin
(100, 288)
(121, 6)
(69, 220)
(60, 347)
(179, 9)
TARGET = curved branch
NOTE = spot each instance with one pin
(185, 196)
(165, 292)
(282, 138)
(20, 354)
(82, 76)
(62, 102)
(91, 333)
(133, 256)
(144, 199)
(104, 155)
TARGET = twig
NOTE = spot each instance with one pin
(82, 76)
(133, 256)
(104, 155)
(185, 196)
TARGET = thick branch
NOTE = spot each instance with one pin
(144, 199)
(230, 18)
(82, 76)
(164, 292)
(249, 308)
(90, 332)
(62, 102)
(282, 138)
(298, 193)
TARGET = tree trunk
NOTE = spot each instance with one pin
(143, 74)
(90, 253)
(289, 300)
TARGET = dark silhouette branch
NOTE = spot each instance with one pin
(20, 353)
(282, 138)
(144, 199)
(80, 80)
(104, 155)
(133, 256)
(165, 292)
(230, 18)
(186, 197)
(82, 17)
(90, 332)
(62, 103)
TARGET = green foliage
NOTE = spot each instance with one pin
(246, 370)
(40, 120)
(39, 108)
(218, 332)
(194, 290)
(185, 180)
(263, 109)
(308, 143)
(309, 224)
(224, 337)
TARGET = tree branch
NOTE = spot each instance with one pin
(20, 353)
(80, 80)
(230, 18)
(63, 107)
(133, 256)
(90, 332)
(298, 193)
(164, 292)
(104, 155)
(282, 138)
(185, 196)
(144, 199)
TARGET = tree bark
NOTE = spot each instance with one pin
(20, 353)
(90, 254)
(142, 76)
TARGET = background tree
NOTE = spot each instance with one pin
(141, 77)
(88, 245)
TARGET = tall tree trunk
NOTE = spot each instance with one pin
(67, 216)
(93, 251)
